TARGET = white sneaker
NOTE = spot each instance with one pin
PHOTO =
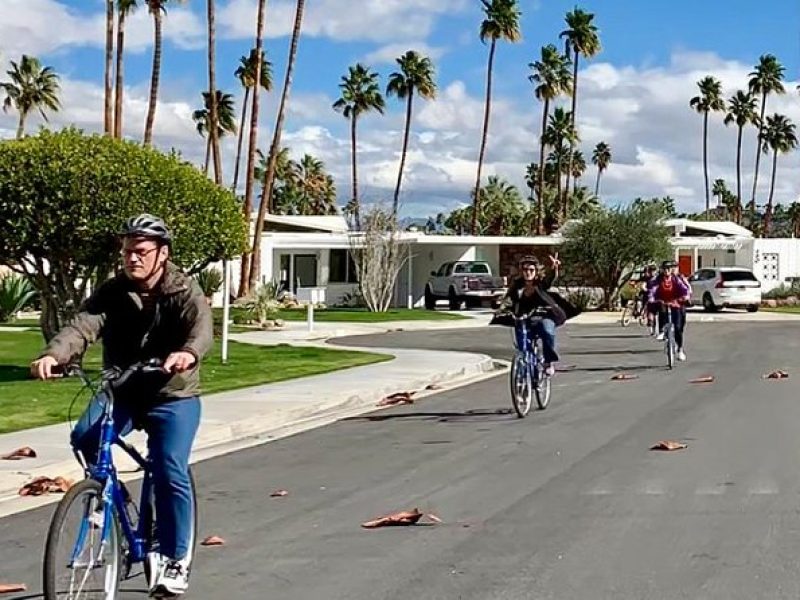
(660, 337)
(173, 578)
(155, 562)
(681, 354)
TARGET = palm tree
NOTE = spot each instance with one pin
(560, 132)
(552, 78)
(742, 111)
(360, 94)
(157, 8)
(780, 137)
(213, 95)
(583, 204)
(107, 125)
(269, 176)
(581, 39)
(710, 99)
(601, 158)
(247, 208)
(32, 87)
(719, 190)
(501, 23)
(766, 79)
(318, 187)
(226, 122)
(246, 73)
(578, 163)
(531, 175)
(124, 9)
(416, 74)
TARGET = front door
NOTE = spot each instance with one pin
(305, 271)
(685, 265)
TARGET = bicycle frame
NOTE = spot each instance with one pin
(105, 472)
(527, 347)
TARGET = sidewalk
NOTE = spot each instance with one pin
(237, 419)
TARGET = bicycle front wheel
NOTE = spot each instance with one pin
(82, 553)
(521, 386)
(670, 342)
(626, 317)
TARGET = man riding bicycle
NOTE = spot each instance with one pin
(150, 310)
(670, 292)
(528, 295)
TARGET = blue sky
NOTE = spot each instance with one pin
(634, 94)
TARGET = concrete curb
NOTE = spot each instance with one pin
(217, 439)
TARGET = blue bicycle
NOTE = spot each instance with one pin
(528, 376)
(98, 533)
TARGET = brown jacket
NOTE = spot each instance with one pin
(181, 321)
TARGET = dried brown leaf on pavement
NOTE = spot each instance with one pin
(397, 398)
(624, 377)
(45, 485)
(703, 379)
(20, 453)
(405, 517)
(279, 494)
(9, 588)
(669, 446)
(213, 540)
(777, 374)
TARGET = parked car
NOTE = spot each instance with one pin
(722, 287)
(464, 282)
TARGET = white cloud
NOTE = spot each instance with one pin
(374, 20)
(390, 52)
(27, 27)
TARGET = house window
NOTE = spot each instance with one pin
(343, 268)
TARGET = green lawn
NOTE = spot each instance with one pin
(783, 309)
(25, 403)
(354, 315)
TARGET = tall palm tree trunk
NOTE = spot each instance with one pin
(487, 110)
(565, 205)
(213, 109)
(705, 162)
(244, 279)
(558, 184)
(768, 212)
(269, 175)
(21, 125)
(542, 147)
(403, 153)
(107, 123)
(207, 162)
(118, 86)
(354, 161)
(739, 175)
(597, 182)
(240, 141)
(758, 151)
(154, 78)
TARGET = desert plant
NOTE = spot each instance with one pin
(210, 281)
(16, 293)
(264, 304)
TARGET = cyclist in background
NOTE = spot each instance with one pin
(150, 310)
(671, 292)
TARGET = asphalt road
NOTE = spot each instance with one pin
(566, 504)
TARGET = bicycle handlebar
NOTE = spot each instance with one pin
(114, 374)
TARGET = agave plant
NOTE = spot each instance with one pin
(16, 293)
(210, 281)
(264, 304)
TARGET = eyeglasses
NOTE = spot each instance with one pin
(140, 254)
(529, 270)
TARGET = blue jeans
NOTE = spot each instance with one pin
(171, 427)
(546, 330)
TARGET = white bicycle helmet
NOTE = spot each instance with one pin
(146, 226)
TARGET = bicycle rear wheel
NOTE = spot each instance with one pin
(543, 390)
(626, 316)
(82, 555)
(521, 385)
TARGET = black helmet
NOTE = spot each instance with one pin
(669, 264)
(146, 226)
(529, 260)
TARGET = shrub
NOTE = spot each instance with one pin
(16, 294)
(210, 281)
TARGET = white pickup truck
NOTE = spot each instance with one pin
(464, 282)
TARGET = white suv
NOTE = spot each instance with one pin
(720, 287)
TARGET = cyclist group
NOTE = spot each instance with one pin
(151, 310)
